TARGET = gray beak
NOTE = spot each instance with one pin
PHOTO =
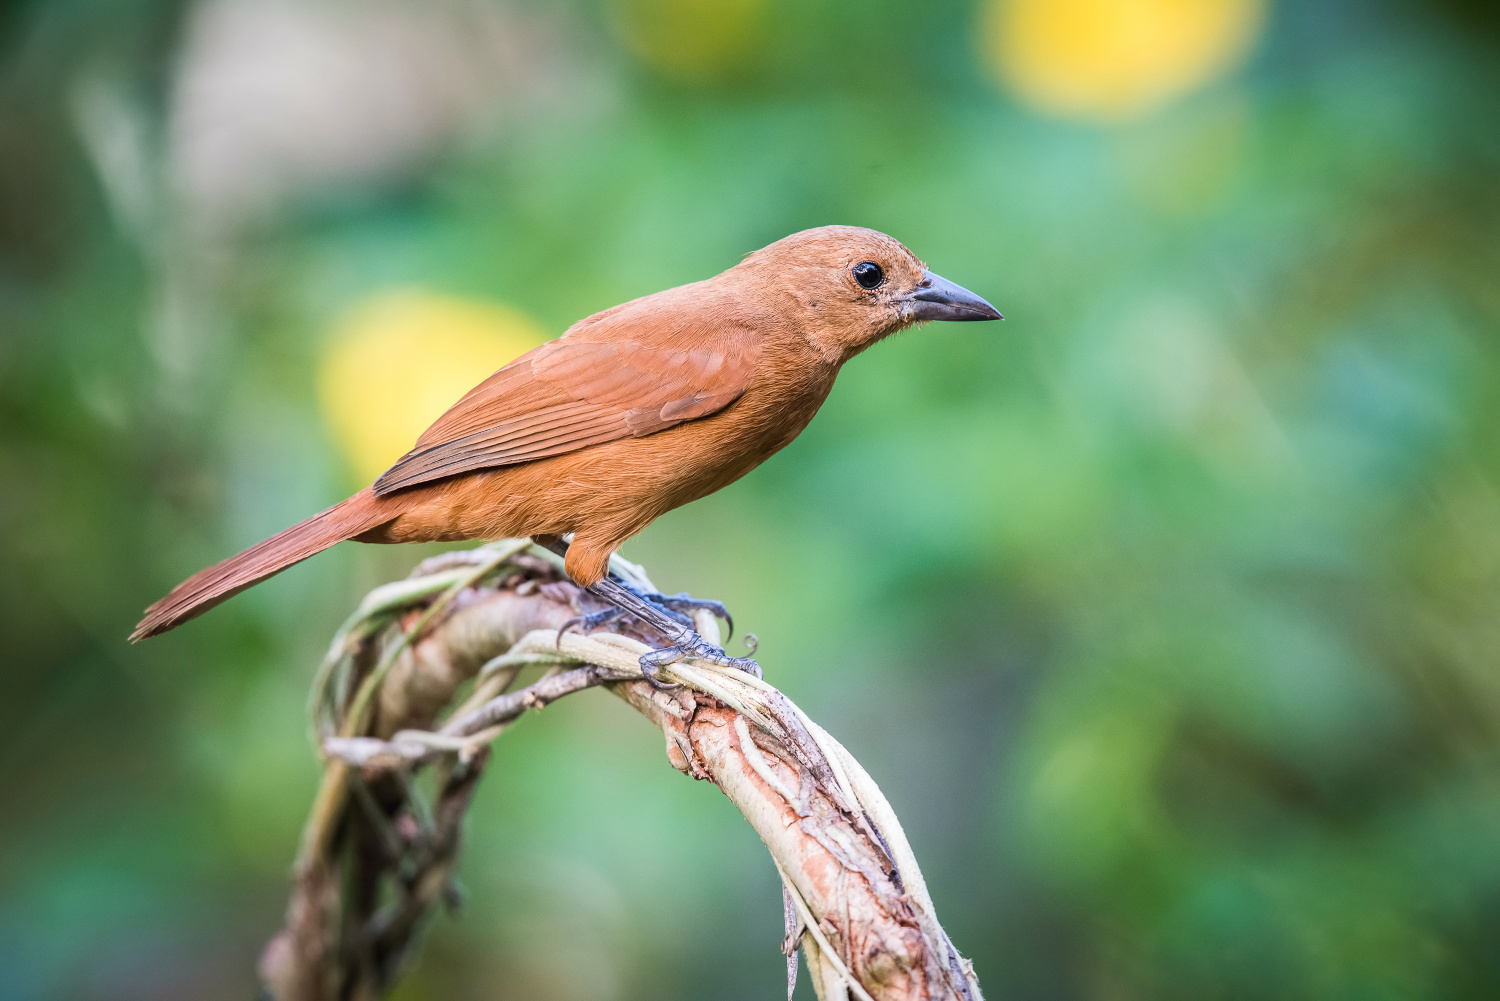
(939, 299)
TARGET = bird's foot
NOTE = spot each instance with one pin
(686, 642)
(667, 615)
(690, 644)
(694, 646)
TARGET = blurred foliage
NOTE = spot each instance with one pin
(1165, 612)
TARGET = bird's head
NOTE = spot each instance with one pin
(855, 286)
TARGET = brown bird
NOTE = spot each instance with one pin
(630, 413)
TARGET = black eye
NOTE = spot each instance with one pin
(868, 274)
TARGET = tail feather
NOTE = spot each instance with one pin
(206, 588)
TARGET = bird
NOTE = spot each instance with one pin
(584, 441)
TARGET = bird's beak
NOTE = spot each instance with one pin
(939, 299)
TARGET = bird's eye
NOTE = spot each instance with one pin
(868, 274)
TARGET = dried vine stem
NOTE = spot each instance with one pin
(376, 857)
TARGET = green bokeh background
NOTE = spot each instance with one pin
(1166, 613)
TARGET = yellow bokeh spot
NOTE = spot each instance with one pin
(691, 40)
(397, 361)
(1110, 60)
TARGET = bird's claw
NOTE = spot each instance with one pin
(652, 663)
(588, 623)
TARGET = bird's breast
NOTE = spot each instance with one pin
(766, 419)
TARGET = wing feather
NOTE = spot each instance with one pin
(627, 372)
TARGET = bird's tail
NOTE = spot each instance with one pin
(206, 588)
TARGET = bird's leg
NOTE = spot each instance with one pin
(681, 606)
(685, 602)
(685, 642)
(660, 612)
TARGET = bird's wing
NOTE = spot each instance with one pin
(620, 376)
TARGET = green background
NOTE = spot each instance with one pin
(1165, 612)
